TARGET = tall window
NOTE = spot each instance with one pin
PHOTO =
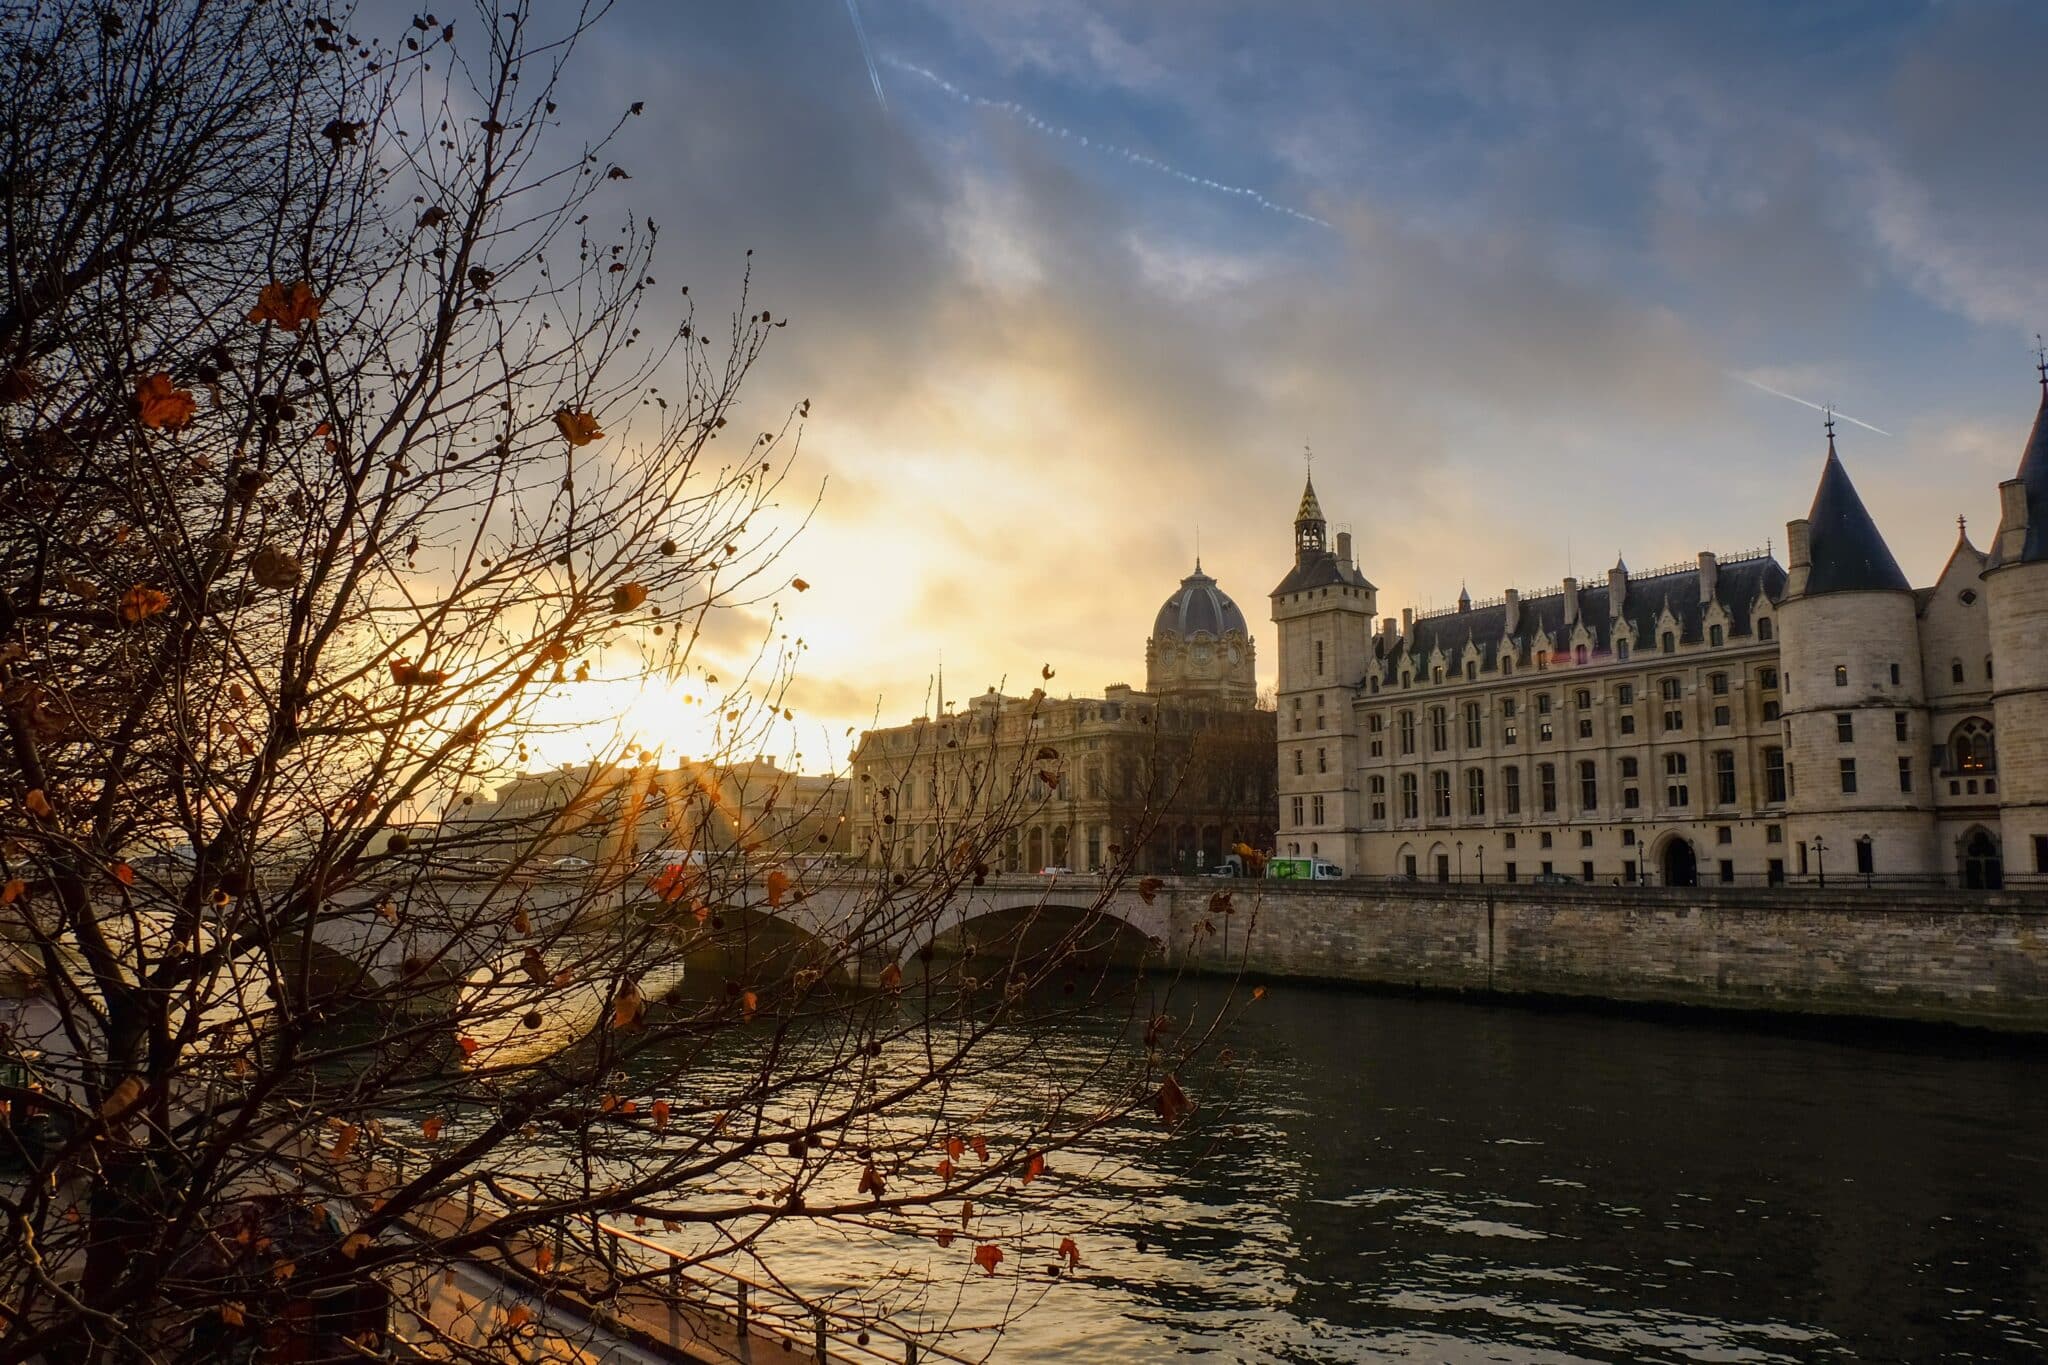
(1763, 627)
(1955, 670)
(1511, 789)
(1713, 635)
(1905, 773)
(1407, 725)
(1583, 699)
(1719, 684)
(1724, 777)
(1322, 760)
(1546, 783)
(1971, 749)
(1297, 763)
(1621, 650)
(1294, 808)
(1845, 727)
(1866, 861)
(1475, 791)
(1319, 658)
(1411, 808)
(1439, 729)
(1589, 785)
(1316, 810)
(1474, 734)
(1440, 794)
(1899, 725)
(1670, 643)
(1848, 776)
(1841, 675)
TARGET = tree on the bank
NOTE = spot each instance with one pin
(346, 441)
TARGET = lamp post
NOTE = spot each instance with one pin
(1482, 864)
(1461, 861)
(1820, 859)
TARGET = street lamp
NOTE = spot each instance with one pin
(1820, 859)
(1482, 864)
(1461, 861)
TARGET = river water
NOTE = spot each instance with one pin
(1429, 1179)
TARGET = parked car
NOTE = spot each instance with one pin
(569, 862)
(1554, 879)
(1055, 871)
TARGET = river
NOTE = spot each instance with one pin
(1444, 1180)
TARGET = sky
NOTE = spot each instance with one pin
(1083, 280)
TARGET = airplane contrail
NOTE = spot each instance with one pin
(1815, 406)
(1136, 158)
(867, 53)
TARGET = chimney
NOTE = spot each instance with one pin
(1514, 611)
(1407, 623)
(1798, 556)
(1710, 575)
(1617, 594)
(1343, 549)
(1571, 601)
(1387, 624)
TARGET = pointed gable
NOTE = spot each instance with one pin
(1847, 552)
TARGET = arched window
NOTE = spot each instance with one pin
(1713, 635)
(1972, 747)
(1763, 628)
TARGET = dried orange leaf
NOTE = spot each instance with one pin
(543, 1260)
(988, 1256)
(577, 428)
(354, 1243)
(778, 886)
(748, 1003)
(955, 1148)
(799, 585)
(406, 673)
(289, 306)
(627, 596)
(124, 874)
(344, 1141)
(980, 1146)
(892, 977)
(162, 405)
(430, 1129)
(15, 889)
(1148, 887)
(141, 602)
(1034, 1168)
(1172, 1103)
(468, 1046)
(660, 1111)
(518, 1315)
(1071, 1253)
(871, 1181)
(231, 1314)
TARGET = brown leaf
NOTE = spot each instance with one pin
(1034, 1168)
(1219, 904)
(543, 1259)
(980, 1146)
(517, 1316)
(944, 1237)
(1071, 1252)
(577, 428)
(354, 1243)
(1046, 672)
(468, 1046)
(406, 673)
(871, 1181)
(15, 889)
(628, 1008)
(162, 405)
(1172, 1103)
(141, 602)
(966, 1213)
(660, 1110)
(274, 568)
(289, 306)
(945, 1169)
(955, 1147)
(892, 977)
(231, 1314)
(344, 1141)
(124, 874)
(1148, 887)
(748, 1003)
(627, 596)
(988, 1256)
(430, 1129)
(778, 886)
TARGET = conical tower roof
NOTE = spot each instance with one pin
(2034, 475)
(1848, 554)
(1311, 510)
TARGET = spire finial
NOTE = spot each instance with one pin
(1198, 547)
(1962, 527)
(2041, 358)
(1830, 424)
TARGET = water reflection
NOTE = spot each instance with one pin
(1402, 1179)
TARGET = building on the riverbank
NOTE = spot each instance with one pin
(599, 812)
(1723, 720)
(1179, 773)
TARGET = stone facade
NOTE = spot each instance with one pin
(1726, 720)
(1178, 775)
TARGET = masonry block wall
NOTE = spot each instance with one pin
(1981, 961)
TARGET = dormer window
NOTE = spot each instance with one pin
(1670, 643)
(1713, 635)
(1621, 650)
(1579, 654)
(1763, 627)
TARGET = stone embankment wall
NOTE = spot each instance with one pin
(1953, 958)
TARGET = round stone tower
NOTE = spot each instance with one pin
(2016, 595)
(1854, 696)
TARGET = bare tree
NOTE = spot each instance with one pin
(345, 438)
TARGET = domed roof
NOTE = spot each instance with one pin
(1199, 606)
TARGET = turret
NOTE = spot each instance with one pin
(1850, 659)
(1323, 611)
(2016, 596)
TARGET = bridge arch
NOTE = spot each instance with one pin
(1038, 930)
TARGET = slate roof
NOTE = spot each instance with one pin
(1199, 606)
(2034, 474)
(1848, 553)
(1321, 571)
(1737, 587)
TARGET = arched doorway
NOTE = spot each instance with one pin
(1681, 865)
(1982, 867)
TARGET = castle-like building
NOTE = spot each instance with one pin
(1170, 779)
(1721, 720)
